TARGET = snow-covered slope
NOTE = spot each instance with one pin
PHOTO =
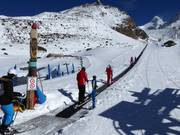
(146, 101)
(84, 31)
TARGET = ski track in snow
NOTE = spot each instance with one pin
(165, 72)
(152, 72)
(122, 106)
(148, 66)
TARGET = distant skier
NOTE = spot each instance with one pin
(6, 100)
(135, 59)
(131, 61)
(81, 80)
(93, 93)
(109, 73)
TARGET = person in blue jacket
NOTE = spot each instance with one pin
(6, 96)
(93, 94)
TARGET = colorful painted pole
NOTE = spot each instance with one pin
(32, 75)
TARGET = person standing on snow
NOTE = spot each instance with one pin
(109, 73)
(131, 61)
(6, 97)
(93, 93)
(81, 80)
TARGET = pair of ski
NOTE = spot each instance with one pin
(80, 105)
(12, 132)
(15, 131)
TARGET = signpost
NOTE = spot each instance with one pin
(32, 75)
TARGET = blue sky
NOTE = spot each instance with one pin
(141, 10)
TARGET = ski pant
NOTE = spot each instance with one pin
(81, 93)
(93, 96)
(109, 79)
(8, 111)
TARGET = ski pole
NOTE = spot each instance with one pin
(16, 113)
(89, 92)
(40, 82)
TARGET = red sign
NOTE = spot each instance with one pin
(32, 81)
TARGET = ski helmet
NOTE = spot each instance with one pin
(83, 68)
(12, 71)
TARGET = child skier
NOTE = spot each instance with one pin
(6, 100)
(109, 73)
(93, 93)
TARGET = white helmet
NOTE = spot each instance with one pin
(12, 71)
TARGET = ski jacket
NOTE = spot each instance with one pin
(109, 71)
(94, 84)
(82, 77)
(7, 95)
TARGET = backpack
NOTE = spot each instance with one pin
(41, 98)
(1, 88)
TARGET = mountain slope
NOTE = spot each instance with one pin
(155, 23)
(89, 25)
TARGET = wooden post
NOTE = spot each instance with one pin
(32, 75)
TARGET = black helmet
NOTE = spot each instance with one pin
(94, 76)
(83, 68)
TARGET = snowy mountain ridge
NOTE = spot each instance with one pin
(89, 25)
(92, 34)
(156, 23)
(164, 30)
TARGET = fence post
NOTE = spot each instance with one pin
(59, 71)
(73, 70)
(49, 72)
(66, 64)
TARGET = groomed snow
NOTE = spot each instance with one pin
(146, 101)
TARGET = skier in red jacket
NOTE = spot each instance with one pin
(109, 73)
(81, 80)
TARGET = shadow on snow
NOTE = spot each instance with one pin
(67, 94)
(149, 112)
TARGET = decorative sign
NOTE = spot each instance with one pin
(32, 81)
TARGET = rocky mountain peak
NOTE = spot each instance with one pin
(156, 23)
